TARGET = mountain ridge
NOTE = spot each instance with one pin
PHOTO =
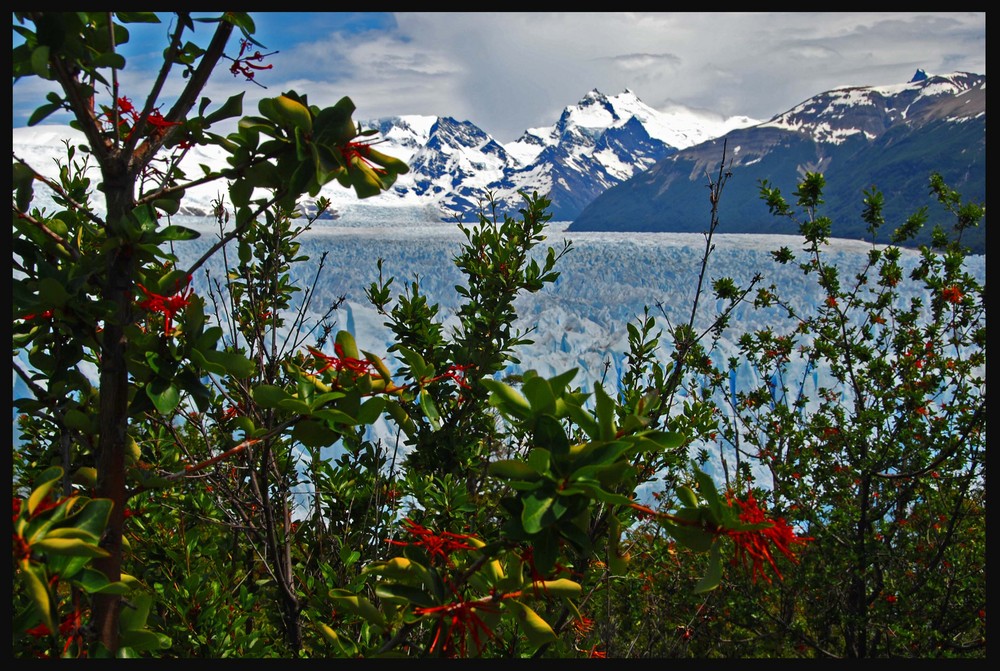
(613, 163)
(891, 137)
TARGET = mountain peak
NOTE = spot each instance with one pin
(918, 76)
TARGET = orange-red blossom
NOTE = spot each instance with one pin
(341, 362)
(753, 546)
(438, 544)
(456, 621)
(168, 306)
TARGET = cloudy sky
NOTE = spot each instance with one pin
(507, 72)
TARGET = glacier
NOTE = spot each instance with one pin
(580, 321)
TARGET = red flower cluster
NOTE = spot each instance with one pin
(168, 306)
(952, 294)
(246, 65)
(341, 362)
(456, 621)
(70, 627)
(127, 112)
(440, 544)
(754, 546)
(455, 372)
(361, 151)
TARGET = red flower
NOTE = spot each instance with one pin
(361, 151)
(156, 120)
(456, 372)
(168, 306)
(244, 64)
(440, 544)
(457, 620)
(754, 546)
(127, 112)
(952, 294)
(583, 625)
(341, 362)
(598, 654)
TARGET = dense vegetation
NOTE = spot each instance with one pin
(172, 437)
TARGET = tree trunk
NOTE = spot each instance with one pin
(118, 291)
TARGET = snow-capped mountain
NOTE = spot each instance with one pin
(597, 143)
(892, 137)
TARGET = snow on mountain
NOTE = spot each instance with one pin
(595, 144)
(598, 143)
(835, 115)
(891, 136)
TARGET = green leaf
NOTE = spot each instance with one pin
(560, 587)
(314, 434)
(72, 532)
(539, 395)
(713, 576)
(709, 492)
(605, 409)
(233, 107)
(232, 363)
(40, 61)
(358, 605)
(430, 409)
(93, 581)
(506, 398)
(165, 396)
(109, 60)
(371, 410)
(269, 396)
(687, 496)
(536, 630)
(404, 594)
(539, 511)
(240, 191)
(549, 432)
(584, 420)
(330, 415)
(143, 639)
(347, 344)
(45, 482)
(178, 233)
(71, 547)
(693, 536)
(513, 469)
(662, 440)
(93, 517)
(34, 579)
(52, 293)
(347, 648)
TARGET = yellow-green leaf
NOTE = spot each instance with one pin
(560, 587)
(536, 630)
(73, 547)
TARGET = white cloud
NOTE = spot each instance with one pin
(509, 71)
